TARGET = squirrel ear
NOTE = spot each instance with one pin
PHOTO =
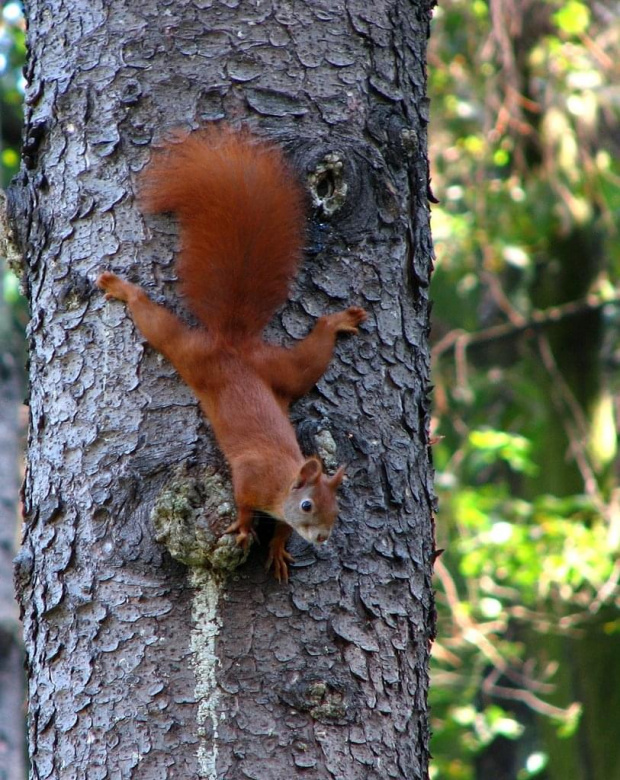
(309, 473)
(334, 482)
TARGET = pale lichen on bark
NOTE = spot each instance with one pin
(190, 515)
(206, 625)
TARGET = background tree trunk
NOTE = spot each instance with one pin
(12, 687)
(139, 666)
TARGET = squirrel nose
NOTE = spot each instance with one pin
(321, 538)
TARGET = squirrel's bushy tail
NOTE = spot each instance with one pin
(241, 214)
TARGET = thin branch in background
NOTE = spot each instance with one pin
(608, 591)
(566, 397)
(541, 622)
(502, 301)
(473, 633)
(575, 425)
(462, 374)
(490, 687)
(537, 320)
(604, 60)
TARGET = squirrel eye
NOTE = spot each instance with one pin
(306, 505)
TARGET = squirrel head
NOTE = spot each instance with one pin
(311, 507)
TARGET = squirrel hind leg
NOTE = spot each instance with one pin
(279, 557)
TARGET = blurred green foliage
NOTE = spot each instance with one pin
(525, 161)
(12, 57)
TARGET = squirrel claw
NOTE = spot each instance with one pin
(242, 539)
(115, 288)
(279, 559)
(356, 316)
(347, 321)
(244, 534)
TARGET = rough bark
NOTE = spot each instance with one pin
(139, 666)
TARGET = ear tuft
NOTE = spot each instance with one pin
(334, 482)
(309, 473)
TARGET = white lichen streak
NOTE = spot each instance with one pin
(206, 626)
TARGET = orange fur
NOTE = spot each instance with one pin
(241, 216)
(236, 199)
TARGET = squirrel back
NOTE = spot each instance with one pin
(241, 214)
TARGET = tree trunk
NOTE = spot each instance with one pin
(139, 666)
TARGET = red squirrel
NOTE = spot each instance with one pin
(241, 213)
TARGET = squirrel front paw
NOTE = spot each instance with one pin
(244, 532)
(114, 286)
(347, 321)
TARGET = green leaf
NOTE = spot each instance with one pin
(10, 287)
(489, 446)
(10, 158)
(573, 19)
